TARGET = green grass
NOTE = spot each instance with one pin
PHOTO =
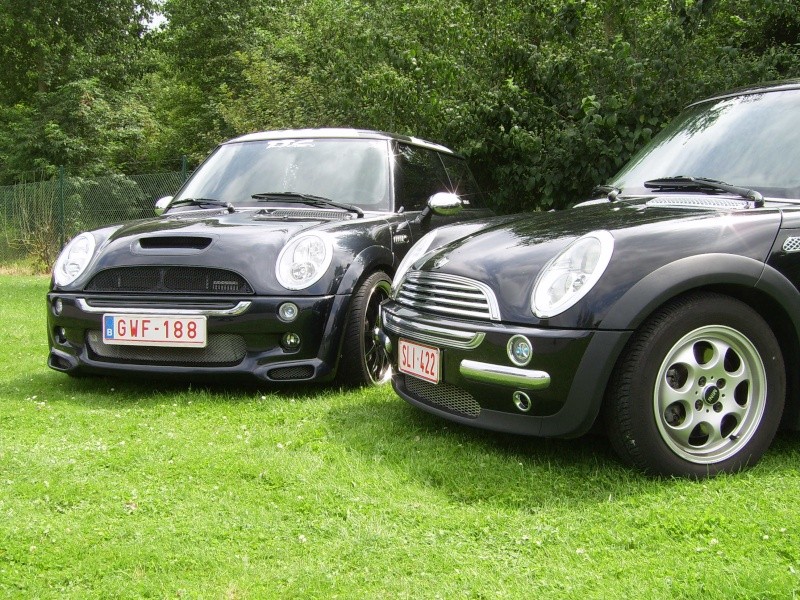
(113, 488)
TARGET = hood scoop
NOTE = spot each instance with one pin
(171, 244)
(698, 203)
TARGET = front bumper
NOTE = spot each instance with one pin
(557, 394)
(244, 336)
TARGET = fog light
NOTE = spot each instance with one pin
(287, 312)
(522, 401)
(60, 335)
(520, 350)
(290, 341)
(58, 306)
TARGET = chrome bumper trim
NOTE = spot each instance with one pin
(498, 374)
(425, 331)
(240, 308)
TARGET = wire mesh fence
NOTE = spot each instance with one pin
(39, 215)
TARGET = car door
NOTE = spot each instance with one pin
(419, 174)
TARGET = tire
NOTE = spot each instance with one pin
(699, 390)
(363, 360)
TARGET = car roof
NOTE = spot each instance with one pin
(337, 133)
(760, 88)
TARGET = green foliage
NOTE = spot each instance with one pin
(546, 98)
(44, 45)
(80, 125)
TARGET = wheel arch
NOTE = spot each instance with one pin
(366, 262)
(750, 281)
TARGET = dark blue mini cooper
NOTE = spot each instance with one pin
(270, 261)
(667, 307)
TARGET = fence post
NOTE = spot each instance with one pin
(183, 167)
(61, 226)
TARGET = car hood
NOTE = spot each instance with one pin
(508, 253)
(245, 242)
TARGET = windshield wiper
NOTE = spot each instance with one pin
(203, 202)
(682, 182)
(309, 199)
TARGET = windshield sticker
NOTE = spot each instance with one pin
(290, 144)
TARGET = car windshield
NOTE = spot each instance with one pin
(347, 171)
(752, 141)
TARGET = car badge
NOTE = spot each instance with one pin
(440, 262)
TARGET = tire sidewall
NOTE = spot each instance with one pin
(676, 322)
(353, 368)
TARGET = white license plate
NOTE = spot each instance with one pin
(418, 360)
(154, 330)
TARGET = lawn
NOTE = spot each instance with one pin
(114, 488)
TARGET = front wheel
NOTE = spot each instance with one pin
(364, 360)
(699, 390)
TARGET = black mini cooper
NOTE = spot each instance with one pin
(668, 305)
(271, 261)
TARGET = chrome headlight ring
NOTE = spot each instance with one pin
(74, 259)
(303, 261)
(571, 274)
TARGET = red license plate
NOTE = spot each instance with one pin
(418, 360)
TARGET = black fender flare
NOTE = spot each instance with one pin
(641, 300)
(364, 262)
(701, 271)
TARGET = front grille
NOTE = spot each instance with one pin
(443, 395)
(222, 350)
(449, 295)
(291, 373)
(169, 280)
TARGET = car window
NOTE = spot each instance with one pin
(420, 175)
(462, 181)
(351, 171)
(751, 141)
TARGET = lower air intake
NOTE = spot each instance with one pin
(291, 373)
(444, 395)
(222, 350)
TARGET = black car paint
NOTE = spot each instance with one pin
(246, 242)
(667, 252)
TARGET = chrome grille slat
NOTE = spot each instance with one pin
(447, 294)
(470, 294)
(442, 309)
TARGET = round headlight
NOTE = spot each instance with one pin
(413, 255)
(303, 261)
(570, 275)
(74, 259)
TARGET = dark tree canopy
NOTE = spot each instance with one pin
(546, 98)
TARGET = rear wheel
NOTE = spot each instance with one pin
(700, 389)
(364, 360)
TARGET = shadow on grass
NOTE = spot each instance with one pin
(462, 464)
(470, 465)
(97, 390)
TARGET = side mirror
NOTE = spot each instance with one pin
(445, 204)
(162, 204)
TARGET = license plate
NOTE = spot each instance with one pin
(154, 330)
(418, 360)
